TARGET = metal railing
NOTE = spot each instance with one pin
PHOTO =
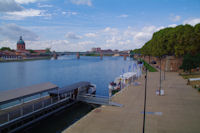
(30, 108)
(94, 99)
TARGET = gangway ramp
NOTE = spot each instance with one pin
(95, 99)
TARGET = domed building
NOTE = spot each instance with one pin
(22, 51)
(21, 44)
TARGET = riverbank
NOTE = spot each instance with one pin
(176, 111)
(26, 59)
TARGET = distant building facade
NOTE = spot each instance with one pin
(96, 50)
(21, 52)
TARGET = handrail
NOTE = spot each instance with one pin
(92, 95)
(32, 111)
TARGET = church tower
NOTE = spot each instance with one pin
(21, 44)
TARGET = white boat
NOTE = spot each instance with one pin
(126, 78)
(122, 81)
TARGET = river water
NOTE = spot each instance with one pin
(63, 71)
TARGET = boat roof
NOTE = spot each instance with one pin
(20, 93)
(71, 87)
(129, 74)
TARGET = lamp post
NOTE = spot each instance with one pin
(165, 66)
(160, 76)
(145, 93)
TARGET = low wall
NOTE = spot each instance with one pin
(169, 63)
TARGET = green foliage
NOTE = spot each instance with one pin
(149, 67)
(48, 50)
(136, 51)
(115, 91)
(178, 41)
(190, 62)
(5, 48)
(31, 51)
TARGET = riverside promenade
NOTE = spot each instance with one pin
(178, 111)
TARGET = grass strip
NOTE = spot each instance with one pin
(149, 67)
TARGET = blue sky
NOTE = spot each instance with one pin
(79, 25)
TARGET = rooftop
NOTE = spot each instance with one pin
(14, 94)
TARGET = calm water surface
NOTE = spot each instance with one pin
(64, 71)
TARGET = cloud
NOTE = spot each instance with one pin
(64, 13)
(9, 6)
(71, 35)
(86, 43)
(12, 10)
(129, 38)
(110, 30)
(90, 35)
(172, 25)
(81, 2)
(19, 15)
(107, 38)
(26, 1)
(193, 21)
(42, 6)
(13, 31)
(60, 45)
(69, 13)
(174, 18)
(123, 16)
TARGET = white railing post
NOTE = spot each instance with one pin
(8, 117)
(33, 107)
(51, 100)
(58, 94)
(21, 111)
(42, 104)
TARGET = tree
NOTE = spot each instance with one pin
(5, 48)
(178, 41)
(31, 51)
(190, 62)
(48, 50)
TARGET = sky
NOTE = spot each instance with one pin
(79, 25)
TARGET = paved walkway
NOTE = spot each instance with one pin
(177, 112)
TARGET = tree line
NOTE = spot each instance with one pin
(180, 41)
(177, 41)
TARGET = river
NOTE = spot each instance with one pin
(63, 71)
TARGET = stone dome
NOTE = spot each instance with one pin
(21, 42)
